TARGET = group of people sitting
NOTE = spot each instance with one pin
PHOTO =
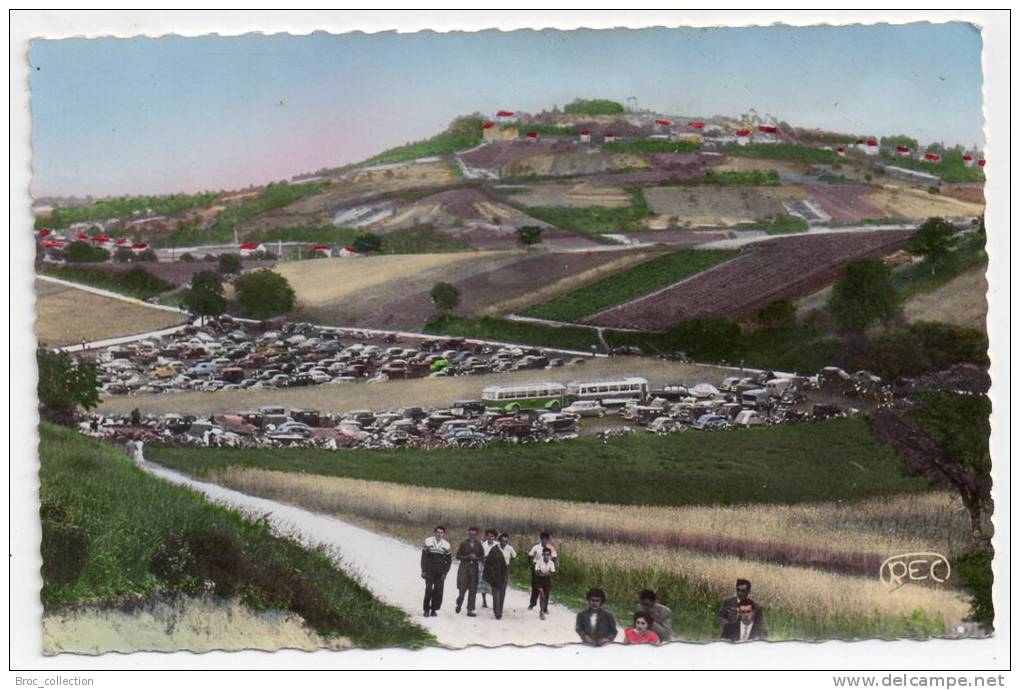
(484, 568)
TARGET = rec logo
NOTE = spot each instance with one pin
(897, 571)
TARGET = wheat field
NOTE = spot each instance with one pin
(632, 536)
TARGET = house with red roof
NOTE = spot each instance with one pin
(43, 233)
(743, 137)
(981, 162)
(584, 136)
(347, 250)
(102, 240)
(608, 138)
(505, 116)
(248, 248)
(968, 160)
(696, 125)
(139, 247)
(871, 147)
(932, 157)
(323, 249)
(902, 150)
(531, 136)
(840, 150)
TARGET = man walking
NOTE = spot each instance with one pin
(662, 617)
(497, 572)
(483, 584)
(542, 572)
(436, 558)
(534, 556)
(470, 553)
(596, 626)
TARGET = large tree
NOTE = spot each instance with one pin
(933, 240)
(204, 297)
(263, 294)
(529, 235)
(865, 294)
(64, 386)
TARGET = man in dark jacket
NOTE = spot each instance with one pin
(470, 554)
(747, 627)
(596, 626)
(497, 572)
(729, 613)
(436, 558)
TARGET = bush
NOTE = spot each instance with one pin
(82, 252)
(65, 385)
(263, 294)
(924, 347)
(367, 243)
(229, 263)
(135, 282)
(529, 235)
(934, 190)
(445, 296)
(147, 255)
(123, 255)
(187, 258)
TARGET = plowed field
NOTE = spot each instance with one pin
(785, 268)
(845, 203)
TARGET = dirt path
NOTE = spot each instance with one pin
(389, 568)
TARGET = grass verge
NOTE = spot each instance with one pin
(136, 282)
(782, 152)
(628, 284)
(779, 464)
(110, 530)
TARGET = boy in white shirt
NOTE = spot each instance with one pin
(542, 579)
(535, 555)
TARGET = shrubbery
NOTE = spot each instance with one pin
(83, 252)
(135, 282)
(923, 347)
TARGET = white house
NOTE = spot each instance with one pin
(584, 136)
(249, 248)
(968, 160)
(871, 147)
(347, 250)
(505, 116)
(743, 137)
(608, 138)
(323, 249)
(139, 247)
(902, 150)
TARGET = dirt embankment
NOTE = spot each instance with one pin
(960, 302)
(170, 623)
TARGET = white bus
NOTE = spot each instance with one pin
(623, 388)
(524, 396)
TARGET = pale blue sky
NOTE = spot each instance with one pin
(127, 116)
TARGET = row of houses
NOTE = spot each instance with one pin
(50, 239)
(871, 147)
(252, 249)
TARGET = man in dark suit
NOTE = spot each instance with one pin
(470, 554)
(729, 610)
(596, 626)
(746, 628)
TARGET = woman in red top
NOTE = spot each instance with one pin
(641, 633)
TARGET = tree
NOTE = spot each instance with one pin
(529, 235)
(366, 243)
(777, 313)
(147, 255)
(204, 297)
(79, 251)
(933, 240)
(65, 385)
(229, 263)
(263, 294)
(187, 258)
(123, 255)
(445, 296)
(864, 295)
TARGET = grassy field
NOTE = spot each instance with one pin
(595, 220)
(925, 276)
(463, 134)
(628, 284)
(950, 168)
(123, 207)
(421, 240)
(626, 549)
(59, 319)
(139, 284)
(650, 146)
(110, 530)
(905, 202)
(505, 330)
(275, 196)
(783, 152)
(780, 464)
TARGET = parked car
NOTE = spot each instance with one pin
(586, 408)
(711, 421)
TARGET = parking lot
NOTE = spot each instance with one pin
(734, 402)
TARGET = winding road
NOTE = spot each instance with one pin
(389, 569)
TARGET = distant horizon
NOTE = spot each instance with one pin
(157, 116)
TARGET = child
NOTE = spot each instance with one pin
(642, 632)
(544, 569)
